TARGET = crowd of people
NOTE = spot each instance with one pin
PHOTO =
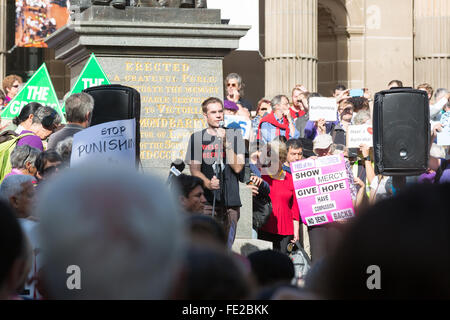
(132, 237)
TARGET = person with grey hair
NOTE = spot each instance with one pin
(18, 191)
(362, 117)
(43, 122)
(79, 108)
(64, 149)
(279, 122)
(121, 237)
(23, 160)
(441, 97)
(234, 89)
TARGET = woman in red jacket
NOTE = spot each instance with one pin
(283, 225)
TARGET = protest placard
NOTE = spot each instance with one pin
(322, 189)
(322, 108)
(443, 137)
(110, 142)
(38, 89)
(359, 134)
(238, 122)
(92, 75)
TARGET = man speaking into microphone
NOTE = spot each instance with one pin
(216, 155)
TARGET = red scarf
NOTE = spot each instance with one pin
(270, 118)
(296, 114)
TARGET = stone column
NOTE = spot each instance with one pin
(290, 46)
(2, 39)
(431, 43)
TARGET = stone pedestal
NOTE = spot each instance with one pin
(173, 57)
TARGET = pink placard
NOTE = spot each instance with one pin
(322, 190)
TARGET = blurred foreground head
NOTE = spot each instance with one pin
(407, 238)
(119, 227)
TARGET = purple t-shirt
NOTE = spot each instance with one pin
(31, 140)
(429, 177)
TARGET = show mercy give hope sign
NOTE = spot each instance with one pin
(108, 143)
(322, 189)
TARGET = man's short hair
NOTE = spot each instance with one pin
(64, 149)
(277, 100)
(78, 106)
(23, 154)
(8, 81)
(13, 185)
(340, 87)
(208, 102)
(396, 82)
(187, 183)
(427, 87)
(359, 103)
(122, 228)
(294, 144)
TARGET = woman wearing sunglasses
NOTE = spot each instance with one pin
(11, 85)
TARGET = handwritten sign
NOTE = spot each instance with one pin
(322, 189)
(238, 122)
(322, 108)
(360, 134)
(110, 143)
(443, 137)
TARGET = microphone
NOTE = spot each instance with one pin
(176, 168)
(222, 124)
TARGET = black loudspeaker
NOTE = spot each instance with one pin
(401, 131)
(116, 102)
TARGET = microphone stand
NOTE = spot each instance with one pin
(219, 174)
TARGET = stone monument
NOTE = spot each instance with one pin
(173, 57)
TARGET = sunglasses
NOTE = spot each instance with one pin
(263, 109)
(234, 85)
(16, 86)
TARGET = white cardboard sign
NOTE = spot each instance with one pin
(360, 134)
(109, 143)
(322, 108)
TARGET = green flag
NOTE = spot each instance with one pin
(38, 89)
(92, 75)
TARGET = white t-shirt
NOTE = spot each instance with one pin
(381, 191)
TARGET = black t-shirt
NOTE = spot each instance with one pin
(204, 148)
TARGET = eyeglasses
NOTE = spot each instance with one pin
(263, 109)
(16, 86)
(234, 85)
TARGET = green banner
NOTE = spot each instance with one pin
(92, 75)
(38, 89)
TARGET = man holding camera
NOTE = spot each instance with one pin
(216, 155)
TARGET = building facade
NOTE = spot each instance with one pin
(317, 43)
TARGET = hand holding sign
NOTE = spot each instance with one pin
(322, 108)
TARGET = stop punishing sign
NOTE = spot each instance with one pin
(322, 190)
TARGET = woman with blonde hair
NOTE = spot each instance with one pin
(283, 225)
